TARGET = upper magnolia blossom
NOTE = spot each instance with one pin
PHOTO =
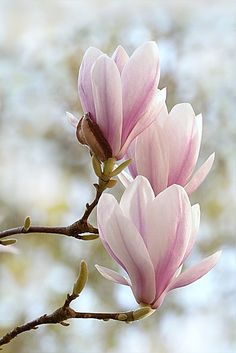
(167, 152)
(151, 237)
(120, 94)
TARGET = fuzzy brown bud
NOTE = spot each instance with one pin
(88, 133)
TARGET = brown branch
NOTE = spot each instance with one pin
(90, 207)
(81, 226)
(62, 314)
(74, 230)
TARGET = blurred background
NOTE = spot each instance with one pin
(46, 174)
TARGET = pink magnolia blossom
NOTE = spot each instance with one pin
(167, 151)
(151, 237)
(120, 93)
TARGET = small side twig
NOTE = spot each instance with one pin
(62, 314)
(74, 230)
(65, 312)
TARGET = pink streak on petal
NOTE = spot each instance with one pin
(161, 298)
(183, 129)
(168, 233)
(84, 80)
(195, 272)
(145, 120)
(105, 208)
(200, 175)
(106, 87)
(195, 228)
(135, 202)
(112, 275)
(121, 235)
(140, 78)
(151, 156)
(130, 154)
(120, 57)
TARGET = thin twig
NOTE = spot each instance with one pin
(62, 314)
(90, 207)
(79, 227)
(74, 230)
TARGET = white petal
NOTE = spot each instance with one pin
(112, 275)
(200, 175)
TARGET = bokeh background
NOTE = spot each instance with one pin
(46, 174)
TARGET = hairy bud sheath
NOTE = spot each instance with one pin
(88, 133)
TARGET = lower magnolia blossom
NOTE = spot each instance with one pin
(167, 151)
(151, 237)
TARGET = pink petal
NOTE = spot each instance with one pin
(140, 78)
(106, 85)
(195, 228)
(121, 236)
(112, 275)
(163, 115)
(184, 131)
(161, 298)
(120, 57)
(135, 201)
(105, 208)
(168, 232)
(200, 175)
(145, 120)
(151, 156)
(84, 80)
(72, 119)
(130, 154)
(195, 272)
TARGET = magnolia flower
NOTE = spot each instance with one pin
(119, 94)
(167, 151)
(151, 237)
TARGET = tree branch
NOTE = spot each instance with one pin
(74, 230)
(64, 313)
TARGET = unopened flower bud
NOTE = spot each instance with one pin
(142, 313)
(88, 133)
(82, 279)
